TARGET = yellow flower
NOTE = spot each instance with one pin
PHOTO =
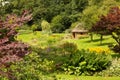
(99, 50)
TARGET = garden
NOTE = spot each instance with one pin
(37, 43)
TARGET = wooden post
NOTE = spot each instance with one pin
(73, 33)
(91, 36)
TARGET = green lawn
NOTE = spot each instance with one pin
(38, 38)
(72, 77)
(83, 43)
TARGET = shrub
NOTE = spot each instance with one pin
(34, 27)
(113, 70)
(86, 63)
(46, 26)
(25, 27)
(32, 67)
(10, 49)
(65, 48)
(68, 47)
(58, 28)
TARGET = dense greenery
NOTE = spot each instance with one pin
(54, 53)
(109, 25)
(85, 11)
(86, 63)
(11, 50)
(52, 58)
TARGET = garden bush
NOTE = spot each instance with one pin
(32, 67)
(86, 63)
(67, 47)
(11, 50)
(113, 70)
(64, 48)
(34, 27)
(25, 27)
(46, 27)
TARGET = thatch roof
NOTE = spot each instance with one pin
(79, 28)
(84, 31)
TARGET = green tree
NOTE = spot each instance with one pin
(60, 23)
(46, 27)
(109, 24)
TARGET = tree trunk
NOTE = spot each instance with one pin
(101, 38)
(91, 36)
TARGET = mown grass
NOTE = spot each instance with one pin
(41, 39)
(72, 77)
(85, 43)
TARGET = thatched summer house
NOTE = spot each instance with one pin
(79, 29)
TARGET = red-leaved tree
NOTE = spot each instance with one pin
(110, 24)
(10, 49)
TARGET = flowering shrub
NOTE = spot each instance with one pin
(99, 50)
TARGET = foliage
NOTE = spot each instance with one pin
(109, 24)
(65, 48)
(60, 23)
(68, 47)
(74, 24)
(96, 8)
(25, 27)
(113, 70)
(10, 49)
(46, 27)
(34, 27)
(32, 67)
(88, 10)
(86, 63)
(59, 53)
(90, 16)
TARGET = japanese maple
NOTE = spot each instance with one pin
(110, 24)
(12, 50)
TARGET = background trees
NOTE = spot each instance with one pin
(60, 23)
(85, 11)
